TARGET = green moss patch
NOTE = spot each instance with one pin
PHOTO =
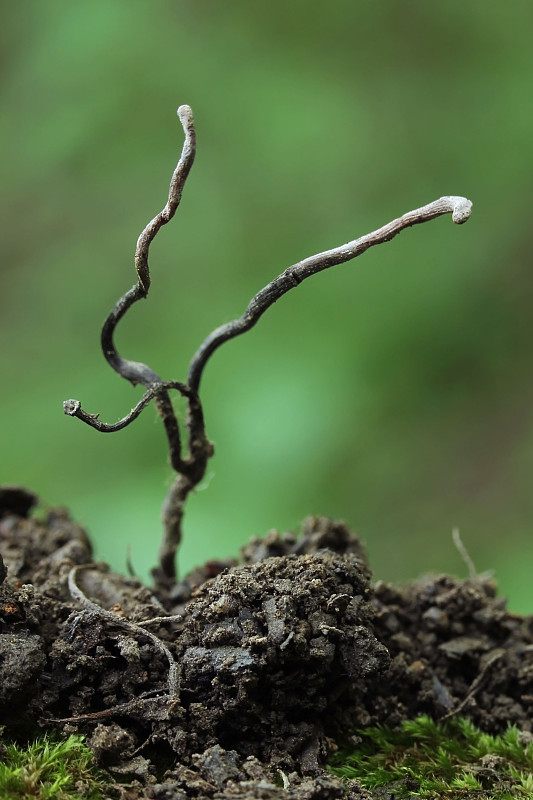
(451, 759)
(50, 770)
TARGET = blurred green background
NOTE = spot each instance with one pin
(395, 391)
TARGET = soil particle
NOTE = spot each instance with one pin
(16, 500)
(21, 662)
(22, 651)
(273, 659)
(110, 743)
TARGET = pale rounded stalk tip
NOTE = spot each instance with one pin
(461, 210)
(185, 115)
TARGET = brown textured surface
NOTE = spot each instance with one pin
(278, 657)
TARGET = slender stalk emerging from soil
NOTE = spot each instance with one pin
(191, 467)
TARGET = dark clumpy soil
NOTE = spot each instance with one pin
(240, 681)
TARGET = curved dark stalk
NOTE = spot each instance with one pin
(134, 371)
(191, 468)
(73, 408)
(459, 207)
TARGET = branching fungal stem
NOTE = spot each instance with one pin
(190, 468)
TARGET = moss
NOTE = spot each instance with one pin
(48, 768)
(451, 759)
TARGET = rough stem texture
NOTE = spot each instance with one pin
(191, 467)
(459, 207)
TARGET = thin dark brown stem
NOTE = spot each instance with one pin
(134, 371)
(459, 207)
(73, 408)
(192, 466)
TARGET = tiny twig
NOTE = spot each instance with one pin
(459, 207)
(77, 593)
(122, 708)
(463, 552)
(476, 684)
(153, 620)
(140, 747)
(136, 706)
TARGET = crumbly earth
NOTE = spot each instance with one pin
(241, 680)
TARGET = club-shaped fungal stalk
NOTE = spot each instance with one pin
(191, 468)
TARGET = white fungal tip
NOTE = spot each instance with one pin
(462, 208)
(185, 115)
(71, 407)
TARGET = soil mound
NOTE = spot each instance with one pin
(239, 681)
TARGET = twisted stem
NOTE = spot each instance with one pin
(134, 371)
(73, 408)
(459, 207)
(191, 467)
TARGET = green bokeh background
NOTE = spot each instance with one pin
(394, 392)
